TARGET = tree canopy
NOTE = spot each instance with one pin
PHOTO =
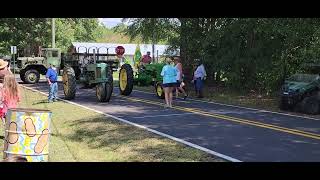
(30, 33)
(244, 53)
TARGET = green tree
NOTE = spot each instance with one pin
(30, 33)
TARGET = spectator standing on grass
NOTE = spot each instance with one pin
(169, 74)
(52, 78)
(199, 76)
(10, 95)
(3, 72)
(180, 82)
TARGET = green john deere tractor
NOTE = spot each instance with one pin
(149, 75)
(95, 70)
(301, 92)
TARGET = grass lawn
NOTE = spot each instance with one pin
(82, 135)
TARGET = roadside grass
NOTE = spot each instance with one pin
(79, 134)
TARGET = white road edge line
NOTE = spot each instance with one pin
(259, 110)
(162, 115)
(148, 129)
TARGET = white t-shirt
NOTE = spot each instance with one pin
(200, 72)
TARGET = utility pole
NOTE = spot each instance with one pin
(53, 33)
(153, 58)
(153, 39)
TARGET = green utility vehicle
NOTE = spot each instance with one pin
(31, 67)
(300, 92)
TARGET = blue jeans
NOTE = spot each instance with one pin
(198, 84)
(53, 91)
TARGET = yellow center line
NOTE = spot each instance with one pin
(234, 119)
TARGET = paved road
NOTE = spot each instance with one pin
(243, 134)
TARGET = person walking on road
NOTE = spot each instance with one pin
(198, 78)
(52, 78)
(169, 74)
(180, 82)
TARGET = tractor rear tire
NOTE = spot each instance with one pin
(31, 76)
(69, 83)
(159, 90)
(104, 92)
(126, 80)
(310, 105)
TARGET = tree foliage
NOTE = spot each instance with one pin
(30, 33)
(245, 53)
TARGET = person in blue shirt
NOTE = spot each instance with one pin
(169, 74)
(52, 78)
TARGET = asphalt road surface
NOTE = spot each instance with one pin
(241, 133)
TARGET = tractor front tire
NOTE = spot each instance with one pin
(126, 80)
(310, 105)
(159, 90)
(104, 92)
(31, 76)
(69, 83)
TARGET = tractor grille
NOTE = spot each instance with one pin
(98, 72)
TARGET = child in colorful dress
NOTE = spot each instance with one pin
(9, 94)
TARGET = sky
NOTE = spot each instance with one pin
(110, 22)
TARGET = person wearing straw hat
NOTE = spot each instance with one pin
(4, 70)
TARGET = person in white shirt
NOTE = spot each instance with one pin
(199, 76)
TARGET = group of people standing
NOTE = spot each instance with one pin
(9, 89)
(173, 79)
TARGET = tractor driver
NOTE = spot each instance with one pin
(146, 59)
